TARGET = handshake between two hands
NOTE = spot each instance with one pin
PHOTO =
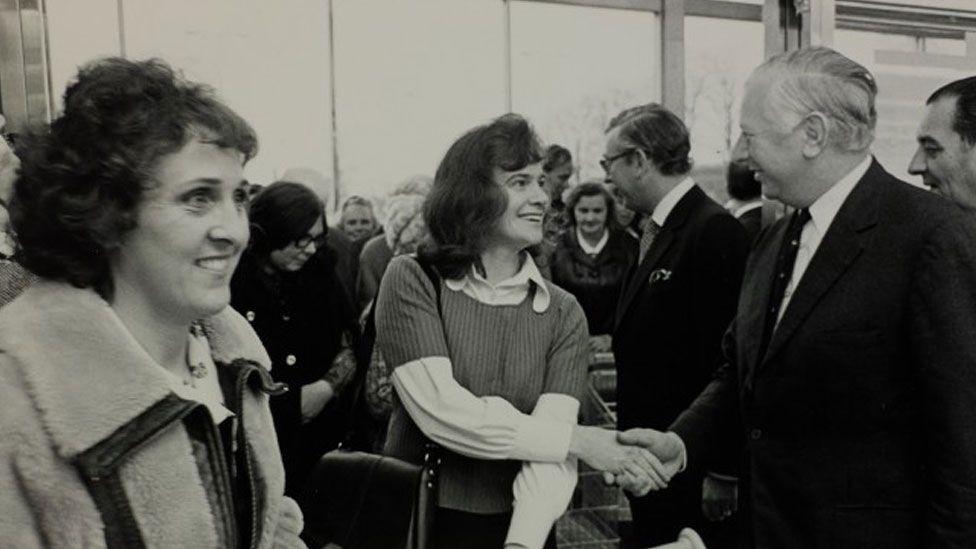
(638, 460)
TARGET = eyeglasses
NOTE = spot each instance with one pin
(319, 240)
(608, 161)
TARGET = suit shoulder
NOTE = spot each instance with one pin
(920, 212)
(722, 228)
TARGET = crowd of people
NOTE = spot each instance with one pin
(180, 346)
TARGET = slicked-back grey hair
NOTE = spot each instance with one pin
(818, 79)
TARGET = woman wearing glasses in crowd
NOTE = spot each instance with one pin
(133, 401)
(292, 297)
(491, 364)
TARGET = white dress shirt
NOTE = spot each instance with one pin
(822, 214)
(746, 208)
(670, 200)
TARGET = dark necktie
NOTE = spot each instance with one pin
(783, 273)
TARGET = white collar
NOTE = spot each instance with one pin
(206, 390)
(670, 200)
(747, 207)
(824, 209)
(516, 287)
(592, 250)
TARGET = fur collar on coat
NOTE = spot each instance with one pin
(70, 376)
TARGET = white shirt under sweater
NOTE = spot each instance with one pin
(490, 427)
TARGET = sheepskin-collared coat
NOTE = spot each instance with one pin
(96, 450)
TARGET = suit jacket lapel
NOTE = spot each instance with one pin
(843, 243)
(661, 243)
(754, 299)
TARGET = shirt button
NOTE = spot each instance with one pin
(249, 316)
(756, 434)
(290, 360)
(286, 318)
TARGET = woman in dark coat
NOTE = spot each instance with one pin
(591, 258)
(294, 301)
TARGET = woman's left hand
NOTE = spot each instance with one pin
(314, 398)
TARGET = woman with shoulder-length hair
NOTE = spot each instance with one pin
(491, 364)
(293, 299)
(133, 401)
(592, 257)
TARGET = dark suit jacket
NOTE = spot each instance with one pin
(668, 332)
(859, 424)
(752, 222)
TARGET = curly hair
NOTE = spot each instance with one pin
(590, 188)
(465, 203)
(82, 179)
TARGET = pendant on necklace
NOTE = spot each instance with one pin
(198, 370)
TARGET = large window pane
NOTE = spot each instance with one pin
(410, 77)
(574, 68)
(904, 83)
(267, 60)
(78, 32)
(719, 56)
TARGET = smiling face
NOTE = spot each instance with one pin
(591, 215)
(521, 224)
(358, 222)
(945, 161)
(292, 257)
(190, 230)
(775, 154)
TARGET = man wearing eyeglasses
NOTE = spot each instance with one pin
(851, 363)
(677, 300)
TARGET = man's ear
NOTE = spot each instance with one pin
(816, 132)
(641, 161)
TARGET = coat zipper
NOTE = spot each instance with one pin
(218, 464)
(249, 467)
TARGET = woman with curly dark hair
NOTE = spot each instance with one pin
(490, 363)
(293, 299)
(133, 401)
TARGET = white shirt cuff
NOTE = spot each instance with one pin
(684, 451)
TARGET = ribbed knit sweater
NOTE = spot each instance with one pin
(510, 352)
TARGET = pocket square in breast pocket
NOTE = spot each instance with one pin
(659, 275)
